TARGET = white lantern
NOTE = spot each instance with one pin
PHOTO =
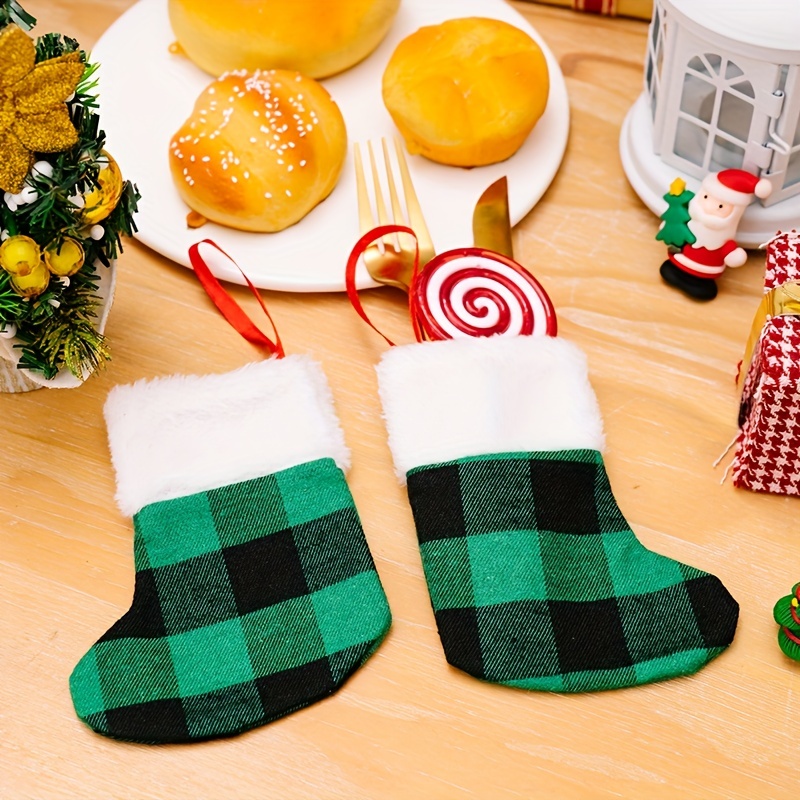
(722, 90)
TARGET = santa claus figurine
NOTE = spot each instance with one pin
(702, 238)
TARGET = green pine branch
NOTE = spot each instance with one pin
(12, 12)
(60, 328)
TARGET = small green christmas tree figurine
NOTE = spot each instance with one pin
(787, 615)
(674, 231)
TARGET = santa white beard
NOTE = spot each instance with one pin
(712, 232)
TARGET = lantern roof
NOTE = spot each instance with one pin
(770, 24)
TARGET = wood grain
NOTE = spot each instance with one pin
(407, 725)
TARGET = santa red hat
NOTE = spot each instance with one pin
(736, 186)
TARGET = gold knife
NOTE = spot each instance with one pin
(491, 224)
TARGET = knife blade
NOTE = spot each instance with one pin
(491, 224)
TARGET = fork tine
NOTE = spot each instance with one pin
(415, 216)
(397, 212)
(383, 217)
(366, 222)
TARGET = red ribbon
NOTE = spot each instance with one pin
(350, 277)
(228, 307)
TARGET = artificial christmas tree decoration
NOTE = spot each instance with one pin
(787, 615)
(64, 209)
(767, 455)
(712, 217)
(536, 579)
(256, 594)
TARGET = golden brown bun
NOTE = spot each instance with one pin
(315, 37)
(466, 92)
(260, 150)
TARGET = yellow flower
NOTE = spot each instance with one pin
(33, 112)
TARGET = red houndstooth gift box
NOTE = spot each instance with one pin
(768, 445)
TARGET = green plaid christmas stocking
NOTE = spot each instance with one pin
(255, 592)
(535, 577)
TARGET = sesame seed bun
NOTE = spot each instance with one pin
(260, 150)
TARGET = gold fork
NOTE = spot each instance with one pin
(390, 260)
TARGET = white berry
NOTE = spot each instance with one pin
(97, 232)
(44, 168)
(26, 196)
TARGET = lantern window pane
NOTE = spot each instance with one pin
(735, 116)
(690, 142)
(656, 25)
(732, 71)
(698, 65)
(697, 98)
(796, 141)
(793, 170)
(649, 73)
(726, 155)
(745, 87)
(659, 59)
(714, 61)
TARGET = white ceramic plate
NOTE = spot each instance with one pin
(146, 94)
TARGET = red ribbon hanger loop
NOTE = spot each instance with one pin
(350, 276)
(228, 307)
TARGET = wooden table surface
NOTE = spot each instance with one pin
(407, 725)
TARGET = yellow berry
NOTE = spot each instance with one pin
(20, 255)
(102, 201)
(33, 283)
(65, 258)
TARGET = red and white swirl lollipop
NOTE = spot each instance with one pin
(475, 292)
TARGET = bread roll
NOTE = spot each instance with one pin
(466, 92)
(315, 37)
(260, 150)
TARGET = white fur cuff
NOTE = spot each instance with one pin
(174, 436)
(467, 397)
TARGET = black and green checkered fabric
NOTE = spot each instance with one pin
(538, 582)
(250, 601)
